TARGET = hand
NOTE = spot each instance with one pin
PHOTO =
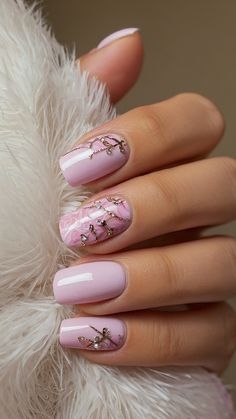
(151, 179)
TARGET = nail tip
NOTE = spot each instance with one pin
(66, 175)
(61, 229)
(55, 288)
(54, 285)
(70, 181)
(61, 335)
(63, 233)
(61, 159)
(117, 35)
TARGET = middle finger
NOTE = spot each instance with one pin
(196, 194)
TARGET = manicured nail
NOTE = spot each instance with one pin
(94, 159)
(97, 221)
(89, 282)
(93, 333)
(116, 35)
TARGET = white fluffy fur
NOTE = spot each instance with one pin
(45, 105)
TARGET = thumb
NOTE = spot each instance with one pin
(116, 61)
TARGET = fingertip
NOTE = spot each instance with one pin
(117, 64)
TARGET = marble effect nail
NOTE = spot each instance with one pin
(95, 222)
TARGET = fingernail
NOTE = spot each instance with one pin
(95, 222)
(92, 333)
(116, 35)
(94, 159)
(89, 282)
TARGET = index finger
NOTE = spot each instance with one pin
(144, 139)
(116, 64)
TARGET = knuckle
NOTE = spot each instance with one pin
(168, 340)
(215, 115)
(170, 271)
(229, 329)
(169, 192)
(228, 164)
(229, 248)
(152, 122)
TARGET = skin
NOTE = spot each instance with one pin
(167, 260)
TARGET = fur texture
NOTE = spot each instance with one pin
(46, 104)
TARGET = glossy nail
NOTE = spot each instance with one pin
(94, 159)
(97, 221)
(92, 333)
(89, 282)
(116, 35)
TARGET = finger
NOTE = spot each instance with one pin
(143, 140)
(194, 272)
(117, 64)
(203, 336)
(187, 196)
(170, 238)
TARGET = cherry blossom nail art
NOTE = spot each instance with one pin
(94, 159)
(93, 333)
(97, 221)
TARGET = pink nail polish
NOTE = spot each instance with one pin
(92, 333)
(116, 35)
(94, 159)
(89, 282)
(97, 221)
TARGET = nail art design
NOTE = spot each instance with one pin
(92, 333)
(100, 144)
(95, 222)
(94, 159)
(102, 340)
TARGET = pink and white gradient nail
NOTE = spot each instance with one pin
(93, 333)
(89, 282)
(94, 159)
(95, 222)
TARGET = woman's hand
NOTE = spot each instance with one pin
(151, 179)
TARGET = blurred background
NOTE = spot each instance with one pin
(189, 46)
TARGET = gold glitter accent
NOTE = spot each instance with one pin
(96, 342)
(102, 223)
(108, 147)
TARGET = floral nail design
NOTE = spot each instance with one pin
(93, 333)
(102, 340)
(94, 159)
(104, 143)
(97, 221)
